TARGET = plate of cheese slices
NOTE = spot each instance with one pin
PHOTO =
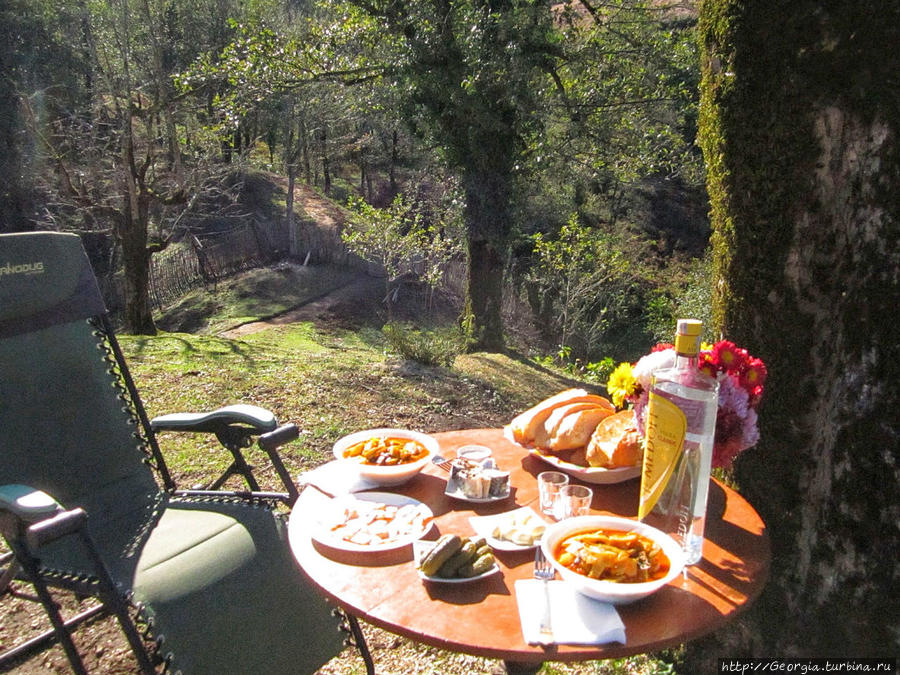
(516, 530)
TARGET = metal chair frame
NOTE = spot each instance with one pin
(24, 538)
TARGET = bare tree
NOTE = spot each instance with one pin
(114, 151)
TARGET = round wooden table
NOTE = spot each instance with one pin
(481, 618)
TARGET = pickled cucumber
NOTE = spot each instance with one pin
(463, 556)
(479, 542)
(479, 566)
(444, 548)
(482, 550)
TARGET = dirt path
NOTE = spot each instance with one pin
(324, 212)
(356, 302)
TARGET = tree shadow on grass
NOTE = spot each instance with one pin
(209, 345)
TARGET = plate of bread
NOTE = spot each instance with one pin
(582, 434)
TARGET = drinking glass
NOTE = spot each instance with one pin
(573, 500)
(474, 453)
(549, 485)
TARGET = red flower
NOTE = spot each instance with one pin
(753, 376)
(727, 356)
(662, 346)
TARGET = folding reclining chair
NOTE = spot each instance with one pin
(208, 574)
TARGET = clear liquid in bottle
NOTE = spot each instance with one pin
(679, 436)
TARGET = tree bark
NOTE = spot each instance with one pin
(136, 268)
(395, 160)
(487, 225)
(802, 147)
(290, 219)
(326, 160)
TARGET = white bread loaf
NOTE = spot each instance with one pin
(615, 442)
(546, 431)
(524, 426)
(576, 428)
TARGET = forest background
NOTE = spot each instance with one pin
(552, 142)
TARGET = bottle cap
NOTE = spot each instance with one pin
(690, 327)
(687, 336)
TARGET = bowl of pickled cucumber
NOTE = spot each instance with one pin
(453, 558)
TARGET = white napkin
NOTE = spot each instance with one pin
(576, 618)
(335, 479)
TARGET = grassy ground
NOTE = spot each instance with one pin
(329, 383)
(330, 376)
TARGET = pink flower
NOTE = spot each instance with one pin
(735, 422)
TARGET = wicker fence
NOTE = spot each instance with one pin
(204, 259)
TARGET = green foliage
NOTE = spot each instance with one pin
(430, 347)
(402, 240)
(659, 316)
(390, 237)
(538, 113)
(589, 371)
(591, 286)
(696, 297)
(624, 102)
(579, 103)
(599, 371)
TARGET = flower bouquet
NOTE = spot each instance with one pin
(741, 378)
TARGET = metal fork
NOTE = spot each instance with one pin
(543, 570)
(442, 462)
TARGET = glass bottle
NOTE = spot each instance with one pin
(678, 444)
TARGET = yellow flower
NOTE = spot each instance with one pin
(621, 384)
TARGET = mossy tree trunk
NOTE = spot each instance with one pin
(800, 128)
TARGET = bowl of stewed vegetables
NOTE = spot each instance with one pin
(386, 456)
(613, 559)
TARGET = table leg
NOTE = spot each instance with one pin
(356, 639)
(518, 668)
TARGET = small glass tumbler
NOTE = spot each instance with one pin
(573, 500)
(549, 485)
(473, 453)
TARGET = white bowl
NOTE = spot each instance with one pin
(611, 591)
(385, 475)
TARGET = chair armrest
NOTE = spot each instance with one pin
(36, 515)
(27, 503)
(270, 442)
(259, 419)
(281, 436)
(51, 529)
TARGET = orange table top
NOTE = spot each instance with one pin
(481, 617)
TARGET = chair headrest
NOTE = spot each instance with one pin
(45, 279)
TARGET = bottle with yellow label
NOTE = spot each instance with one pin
(678, 443)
